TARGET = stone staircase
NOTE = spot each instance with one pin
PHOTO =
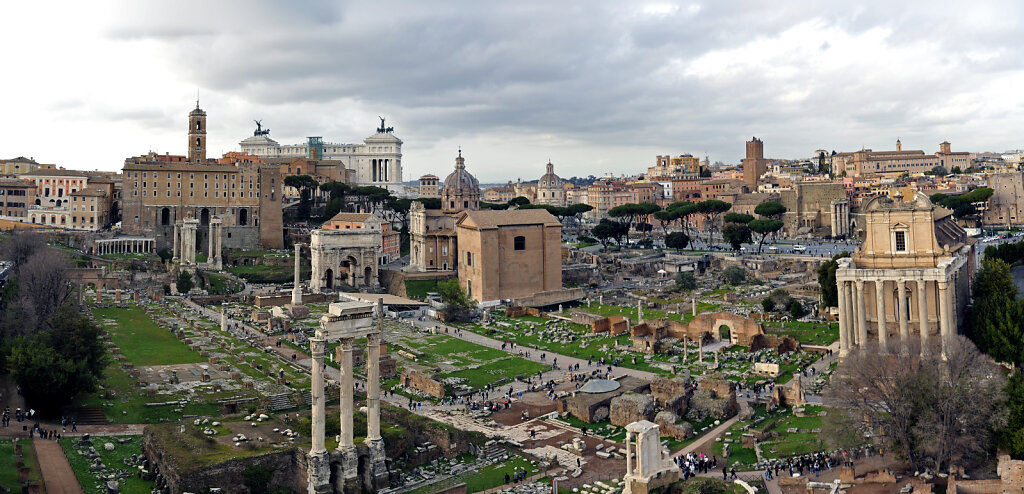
(90, 416)
(281, 401)
(493, 452)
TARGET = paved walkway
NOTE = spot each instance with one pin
(57, 474)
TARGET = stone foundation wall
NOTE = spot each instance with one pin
(520, 311)
(227, 475)
(414, 379)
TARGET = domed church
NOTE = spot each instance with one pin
(461, 190)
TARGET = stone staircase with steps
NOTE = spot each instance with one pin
(494, 452)
(280, 402)
(90, 416)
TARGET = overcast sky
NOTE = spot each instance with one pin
(593, 86)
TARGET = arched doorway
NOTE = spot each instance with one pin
(243, 217)
(115, 212)
(165, 216)
(353, 270)
(724, 332)
(329, 278)
(204, 217)
(367, 276)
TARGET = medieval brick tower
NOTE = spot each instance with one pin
(197, 135)
(754, 165)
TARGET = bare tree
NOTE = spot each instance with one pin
(967, 402)
(20, 245)
(933, 410)
(42, 286)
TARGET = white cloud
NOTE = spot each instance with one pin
(596, 87)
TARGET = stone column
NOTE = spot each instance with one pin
(211, 243)
(922, 308)
(629, 454)
(693, 305)
(223, 319)
(217, 256)
(639, 313)
(316, 346)
(944, 329)
(901, 306)
(883, 335)
(862, 316)
(345, 366)
(318, 468)
(373, 387)
(844, 314)
(297, 290)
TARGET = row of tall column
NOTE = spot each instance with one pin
(185, 241)
(184, 245)
(124, 246)
(319, 467)
(853, 323)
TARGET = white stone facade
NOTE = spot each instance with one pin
(377, 161)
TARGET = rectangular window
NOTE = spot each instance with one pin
(901, 241)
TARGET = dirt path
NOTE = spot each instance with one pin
(57, 474)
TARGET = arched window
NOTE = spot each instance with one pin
(519, 243)
(198, 142)
(199, 125)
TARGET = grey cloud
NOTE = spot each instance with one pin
(584, 72)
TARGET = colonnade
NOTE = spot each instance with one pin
(318, 474)
(855, 295)
(124, 246)
(185, 241)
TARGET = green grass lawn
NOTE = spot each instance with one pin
(268, 274)
(807, 333)
(506, 368)
(141, 340)
(9, 464)
(418, 288)
(486, 478)
(699, 485)
(112, 459)
(222, 284)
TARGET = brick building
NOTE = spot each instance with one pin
(161, 190)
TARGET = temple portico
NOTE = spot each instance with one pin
(124, 245)
(911, 274)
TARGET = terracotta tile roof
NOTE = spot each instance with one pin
(495, 219)
(351, 217)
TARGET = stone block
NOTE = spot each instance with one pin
(631, 407)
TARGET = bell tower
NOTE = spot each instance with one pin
(197, 135)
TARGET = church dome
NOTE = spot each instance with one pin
(549, 188)
(549, 180)
(461, 189)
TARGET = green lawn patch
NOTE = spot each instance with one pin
(222, 284)
(112, 459)
(268, 274)
(418, 288)
(506, 368)
(141, 340)
(9, 464)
